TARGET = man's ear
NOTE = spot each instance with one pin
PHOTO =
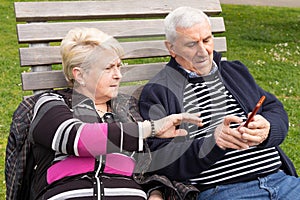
(170, 48)
(78, 75)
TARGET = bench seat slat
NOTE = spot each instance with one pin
(64, 10)
(54, 32)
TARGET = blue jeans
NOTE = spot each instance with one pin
(272, 187)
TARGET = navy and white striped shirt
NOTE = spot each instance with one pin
(208, 96)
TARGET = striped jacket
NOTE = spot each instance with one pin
(75, 152)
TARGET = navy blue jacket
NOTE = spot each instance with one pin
(182, 158)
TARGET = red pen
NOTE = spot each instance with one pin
(254, 111)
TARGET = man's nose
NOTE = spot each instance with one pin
(200, 47)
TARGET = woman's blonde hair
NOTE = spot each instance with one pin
(79, 46)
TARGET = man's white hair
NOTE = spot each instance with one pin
(184, 17)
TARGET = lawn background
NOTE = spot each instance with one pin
(266, 39)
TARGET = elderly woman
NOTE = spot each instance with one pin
(86, 150)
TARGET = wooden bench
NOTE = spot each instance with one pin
(138, 25)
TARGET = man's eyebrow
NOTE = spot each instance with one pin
(208, 37)
(191, 40)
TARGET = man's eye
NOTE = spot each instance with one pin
(207, 40)
(191, 44)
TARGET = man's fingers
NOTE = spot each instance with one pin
(231, 119)
(259, 138)
(229, 138)
(224, 144)
(233, 142)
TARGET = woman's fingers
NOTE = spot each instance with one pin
(180, 132)
(193, 118)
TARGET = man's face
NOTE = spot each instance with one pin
(193, 48)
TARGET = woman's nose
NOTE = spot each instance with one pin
(117, 73)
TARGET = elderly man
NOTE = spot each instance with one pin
(223, 158)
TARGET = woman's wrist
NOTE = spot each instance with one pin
(148, 129)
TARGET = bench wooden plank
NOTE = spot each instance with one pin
(45, 11)
(45, 55)
(138, 25)
(55, 79)
(54, 32)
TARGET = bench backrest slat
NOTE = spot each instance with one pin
(55, 79)
(53, 32)
(44, 55)
(138, 25)
(74, 10)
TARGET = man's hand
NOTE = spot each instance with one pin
(256, 132)
(227, 137)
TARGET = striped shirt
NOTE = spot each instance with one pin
(208, 96)
(78, 156)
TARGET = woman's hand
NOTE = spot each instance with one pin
(155, 195)
(166, 127)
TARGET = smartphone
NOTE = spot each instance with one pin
(254, 111)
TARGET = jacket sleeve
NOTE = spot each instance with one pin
(239, 81)
(153, 103)
(179, 159)
(275, 113)
(55, 127)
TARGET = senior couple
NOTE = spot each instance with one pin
(188, 123)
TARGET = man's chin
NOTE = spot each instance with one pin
(203, 69)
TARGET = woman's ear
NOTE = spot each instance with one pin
(78, 75)
(170, 48)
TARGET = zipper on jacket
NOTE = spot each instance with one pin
(99, 167)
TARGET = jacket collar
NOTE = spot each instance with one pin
(174, 64)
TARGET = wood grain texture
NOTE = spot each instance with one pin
(67, 10)
(138, 25)
(54, 32)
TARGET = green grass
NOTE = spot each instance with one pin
(266, 39)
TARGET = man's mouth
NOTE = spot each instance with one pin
(201, 61)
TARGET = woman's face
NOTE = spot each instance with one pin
(104, 76)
